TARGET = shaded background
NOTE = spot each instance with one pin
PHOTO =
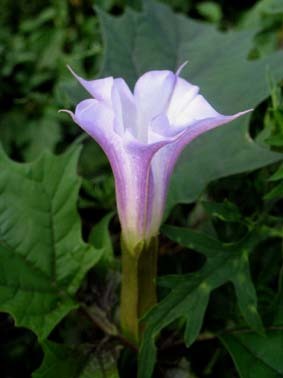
(37, 40)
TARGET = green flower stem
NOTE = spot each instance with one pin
(138, 294)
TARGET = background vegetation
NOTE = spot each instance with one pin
(221, 305)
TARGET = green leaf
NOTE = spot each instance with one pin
(275, 193)
(100, 238)
(211, 11)
(30, 137)
(41, 135)
(226, 211)
(256, 356)
(190, 293)
(260, 10)
(75, 362)
(278, 175)
(159, 39)
(42, 256)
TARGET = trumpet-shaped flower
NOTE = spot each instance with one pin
(143, 133)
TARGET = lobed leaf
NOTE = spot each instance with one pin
(190, 293)
(42, 256)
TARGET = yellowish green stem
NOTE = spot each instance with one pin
(138, 293)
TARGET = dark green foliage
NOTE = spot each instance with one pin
(220, 267)
(80, 362)
(43, 259)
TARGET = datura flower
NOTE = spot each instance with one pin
(143, 133)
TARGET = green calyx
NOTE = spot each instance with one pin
(138, 292)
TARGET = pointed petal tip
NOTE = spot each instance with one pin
(244, 112)
(67, 111)
(72, 71)
(181, 67)
(248, 110)
(236, 115)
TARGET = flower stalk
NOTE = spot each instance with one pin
(138, 293)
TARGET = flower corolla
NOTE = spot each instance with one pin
(143, 133)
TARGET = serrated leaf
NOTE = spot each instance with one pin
(159, 39)
(256, 356)
(190, 293)
(42, 256)
(75, 362)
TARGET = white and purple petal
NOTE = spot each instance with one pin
(143, 134)
(99, 89)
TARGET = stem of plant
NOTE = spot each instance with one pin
(138, 293)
